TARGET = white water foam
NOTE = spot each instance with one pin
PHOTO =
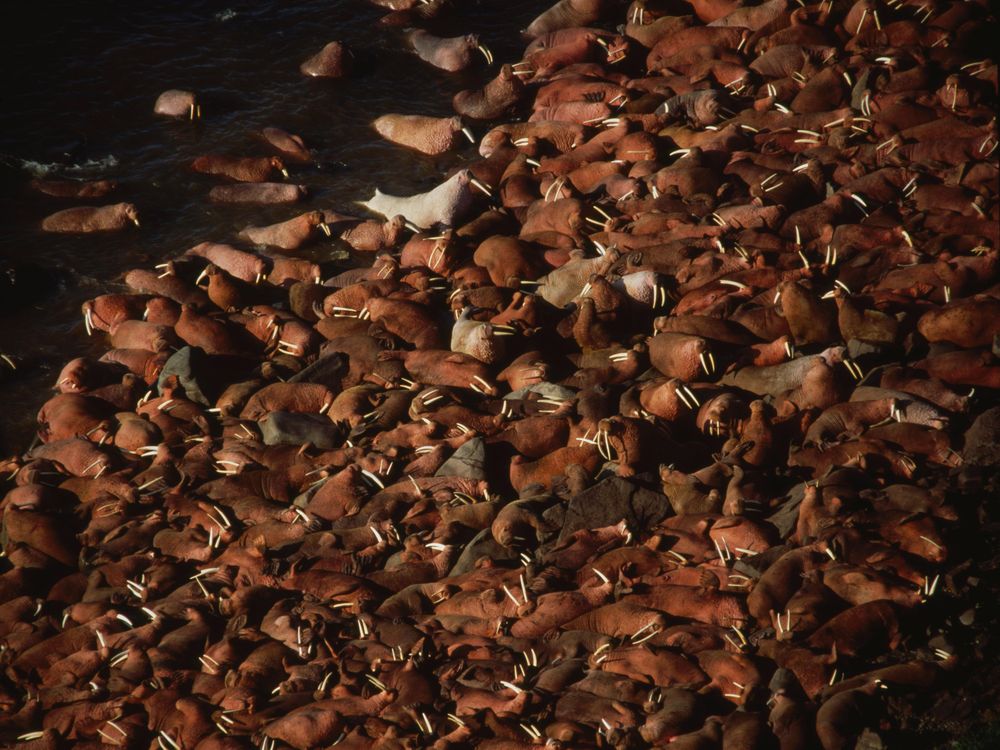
(90, 166)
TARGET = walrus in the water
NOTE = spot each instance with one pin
(84, 219)
(428, 135)
(257, 192)
(451, 53)
(287, 235)
(290, 146)
(333, 61)
(445, 204)
(240, 168)
(178, 103)
(74, 188)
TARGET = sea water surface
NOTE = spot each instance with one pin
(81, 80)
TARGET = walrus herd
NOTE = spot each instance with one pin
(662, 421)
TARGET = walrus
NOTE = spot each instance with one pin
(288, 145)
(85, 219)
(446, 204)
(257, 192)
(495, 99)
(287, 235)
(567, 14)
(241, 169)
(74, 188)
(178, 103)
(333, 61)
(428, 135)
(448, 53)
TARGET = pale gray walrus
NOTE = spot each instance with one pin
(445, 204)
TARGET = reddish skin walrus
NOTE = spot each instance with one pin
(166, 284)
(333, 61)
(375, 236)
(74, 188)
(443, 367)
(240, 168)
(85, 219)
(207, 333)
(290, 146)
(260, 192)
(241, 264)
(107, 310)
(428, 135)
(72, 415)
(969, 323)
(566, 14)
(288, 235)
(293, 397)
(496, 98)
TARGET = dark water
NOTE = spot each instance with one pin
(81, 80)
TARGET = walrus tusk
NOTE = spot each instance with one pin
(468, 134)
(486, 53)
(373, 478)
(852, 367)
(683, 398)
(652, 634)
(325, 228)
(707, 364)
(556, 185)
(512, 597)
(482, 186)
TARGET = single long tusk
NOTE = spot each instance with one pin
(512, 597)
(373, 478)
(482, 186)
